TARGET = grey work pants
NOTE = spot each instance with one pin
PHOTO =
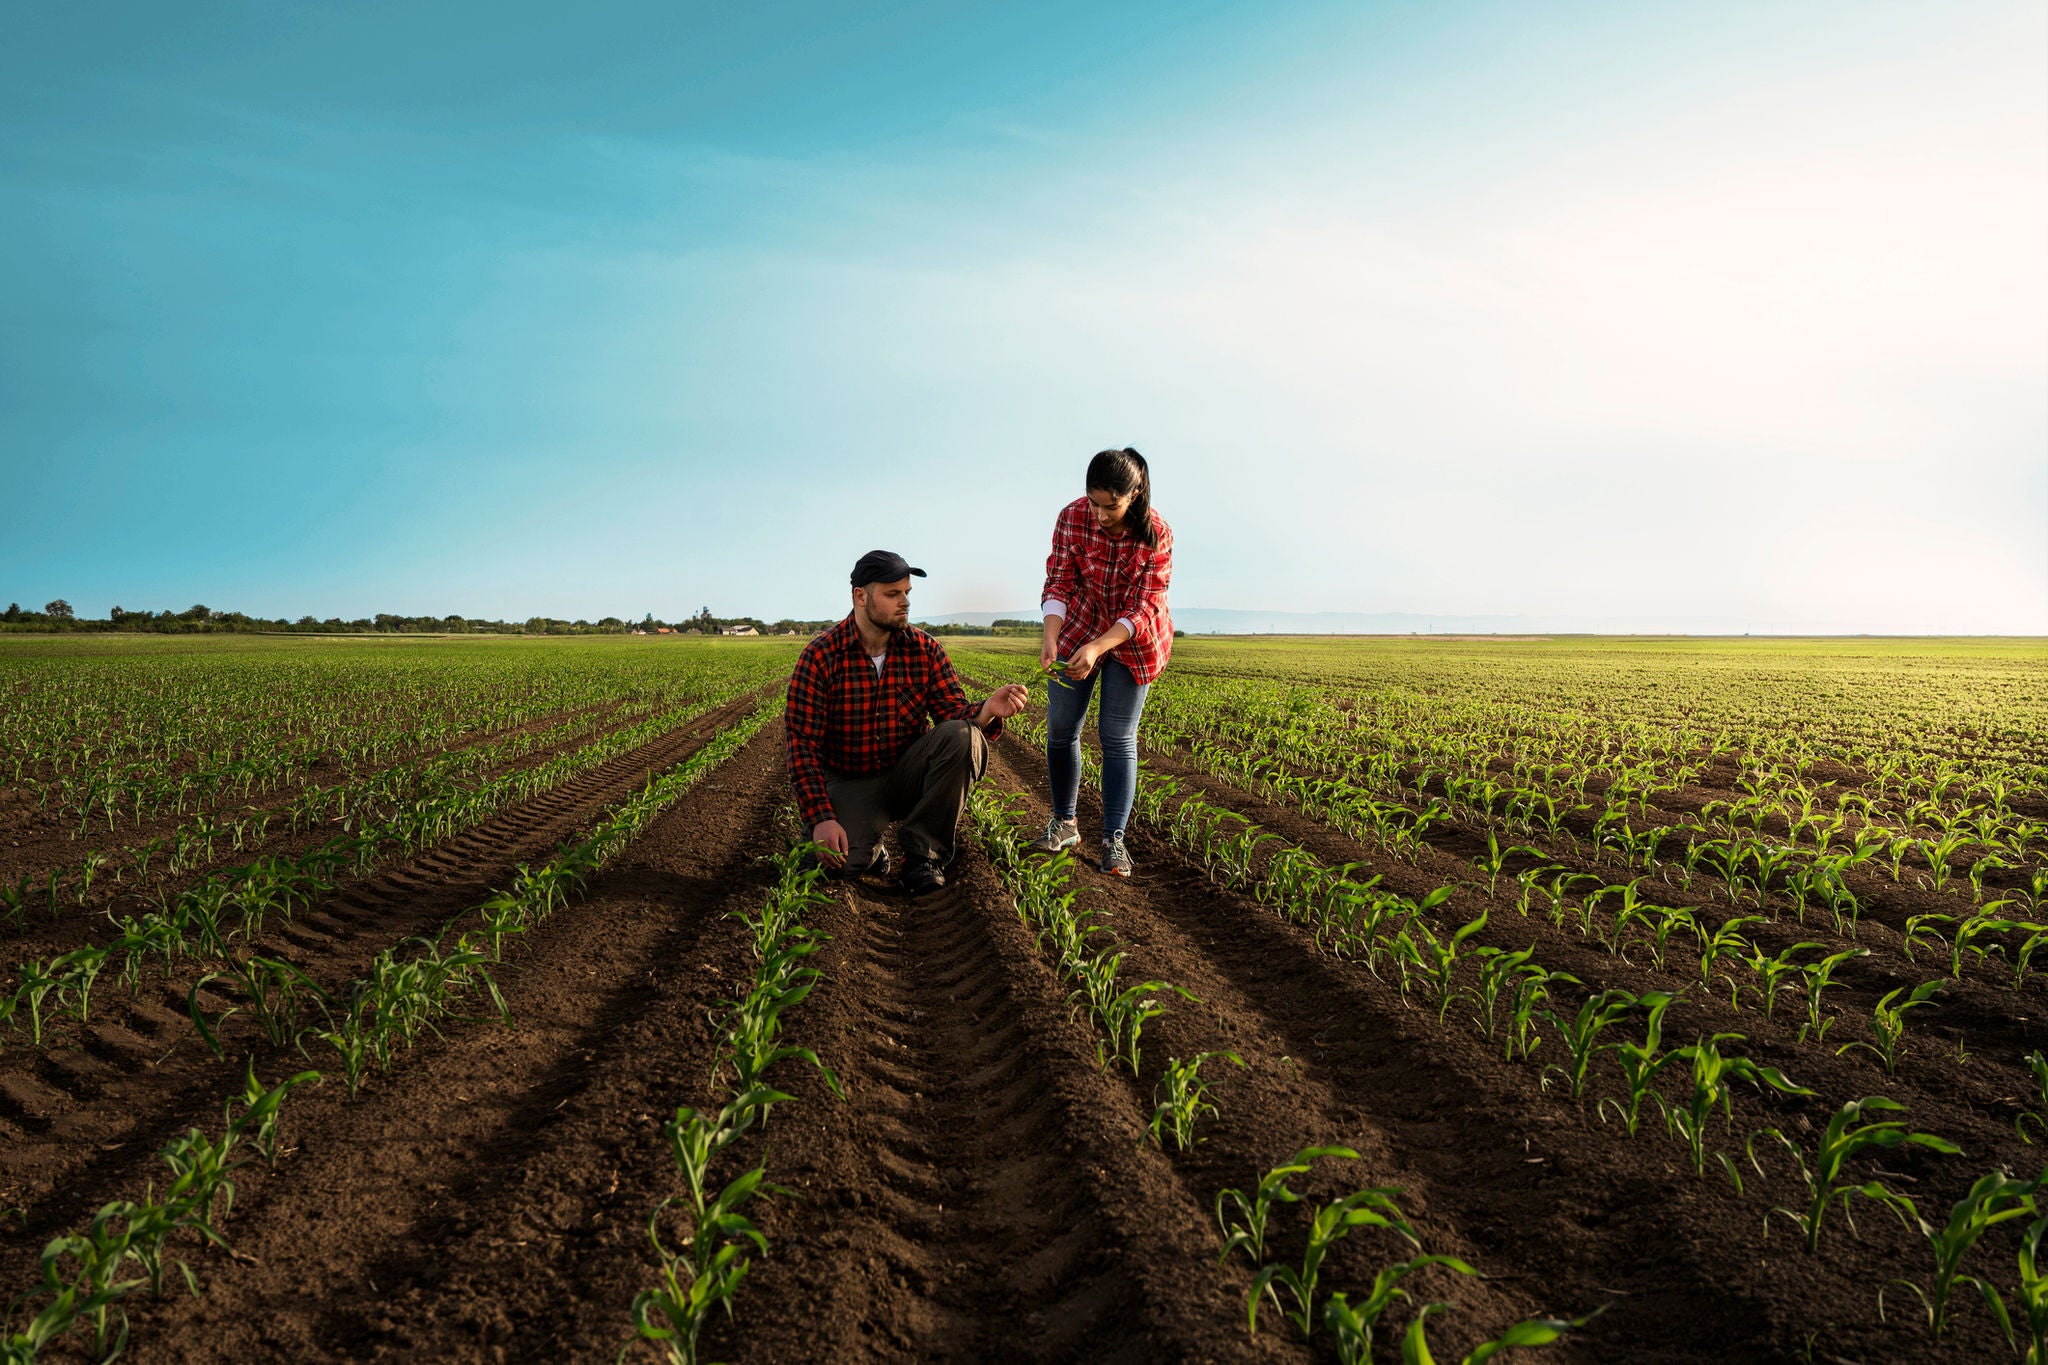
(926, 790)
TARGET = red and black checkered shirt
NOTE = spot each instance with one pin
(1098, 579)
(845, 718)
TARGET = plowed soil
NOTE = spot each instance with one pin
(985, 1190)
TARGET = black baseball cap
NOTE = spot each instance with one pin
(882, 566)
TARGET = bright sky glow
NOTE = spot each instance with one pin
(1652, 317)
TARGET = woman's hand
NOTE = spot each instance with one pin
(1049, 645)
(1081, 662)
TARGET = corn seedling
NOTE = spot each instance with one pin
(1495, 858)
(1183, 1098)
(1328, 1225)
(1888, 1022)
(1531, 990)
(1499, 971)
(1436, 959)
(1818, 977)
(1582, 1034)
(1774, 972)
(1850, 1133)
(1526, 1333)
(1248, 1230)
(1726, 941)
(1995, 1198)
(2039, 1066)
(1353, 1323)
(1125, 1016)
(1713, 1075)
(1640, 1062)
(2028, 1336)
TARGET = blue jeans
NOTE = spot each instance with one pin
(1066, 706)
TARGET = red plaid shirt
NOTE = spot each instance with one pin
(845, 718)
(1097, 579)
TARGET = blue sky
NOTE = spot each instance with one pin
(1654, 316)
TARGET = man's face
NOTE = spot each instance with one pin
(887, 604)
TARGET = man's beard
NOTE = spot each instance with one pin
(892, 626)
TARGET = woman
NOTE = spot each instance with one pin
(1105, 613)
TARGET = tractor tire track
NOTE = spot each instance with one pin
(981, 1194)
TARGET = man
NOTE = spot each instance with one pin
(863, 751)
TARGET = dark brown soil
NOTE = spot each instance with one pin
(985, 1191)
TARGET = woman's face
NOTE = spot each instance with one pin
(1109, 508)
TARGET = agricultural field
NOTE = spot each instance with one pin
(1578, 1000)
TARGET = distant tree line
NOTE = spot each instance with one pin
(201, 620)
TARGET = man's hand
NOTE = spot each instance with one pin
(830, 836)
(1005, 701)
(1081, 662)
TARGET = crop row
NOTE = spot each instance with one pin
(1509, 995)
(86, 1276)
(1046, 901)
(410, 986)
(373, 798)
(708, 1251)
(204, 920)
(1620, 915)
(1373, 783)
(364, 1023)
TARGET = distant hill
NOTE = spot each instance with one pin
(1212, 620)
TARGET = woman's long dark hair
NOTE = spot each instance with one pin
(1121, 472)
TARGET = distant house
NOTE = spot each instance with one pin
(739, 630)
(664, 630)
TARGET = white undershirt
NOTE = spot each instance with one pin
(878, 660)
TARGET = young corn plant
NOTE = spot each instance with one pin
(1726, 941)
(1773, 972)
(1328, 1225)
(1667, 922)
(1124, 1017)
(1247, 1230)
(1641, 1063)
(1888, 1023)
(1495, 858)
(1818, 977)
(1995, 1198)
(276, 993)
(1713, 1077)
(1436, 959)
(1531, 990)
(1526, 1333)
(1581, 1034)
(2026, 1325)
(1499, 971)
(1183, 1098)
(1850, 1133)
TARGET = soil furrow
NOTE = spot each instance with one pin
(982, 1194)
(486, 1202)
(74, 1122)
(1551, 1198)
